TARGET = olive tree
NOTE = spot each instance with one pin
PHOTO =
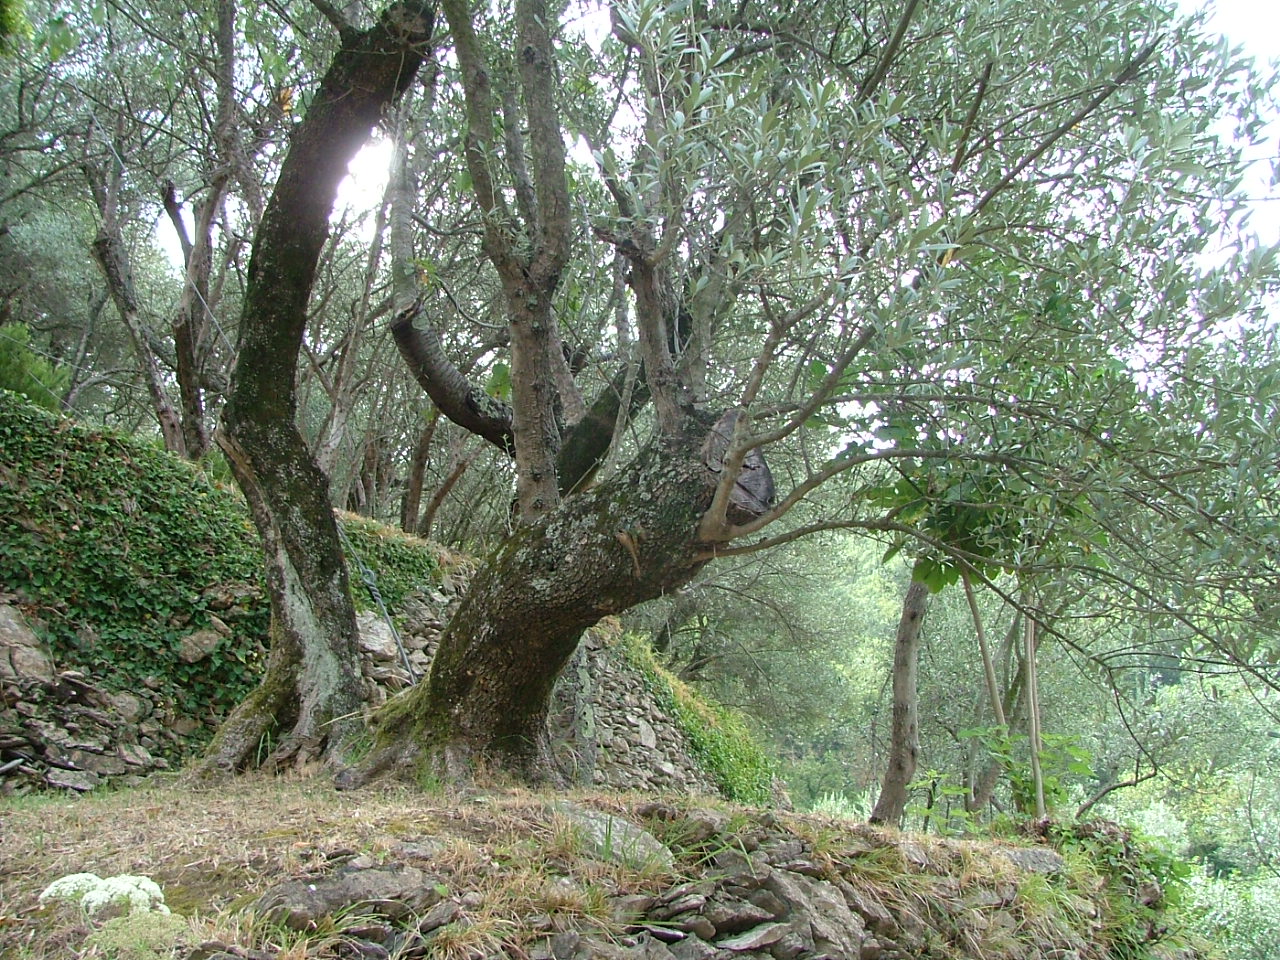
(843, 248)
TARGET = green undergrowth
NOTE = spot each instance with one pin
(717, 735)
(1144, 889)
(118, 550)
(400, 563)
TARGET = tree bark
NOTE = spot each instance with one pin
(625, 541)
(904, 744)
(314, 647)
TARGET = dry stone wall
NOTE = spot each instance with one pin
(739, 886)
(607, 728)
(65, 730)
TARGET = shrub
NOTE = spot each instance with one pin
(1241, 914)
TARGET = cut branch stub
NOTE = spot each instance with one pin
(753, 490)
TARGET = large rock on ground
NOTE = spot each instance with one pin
(22, 655)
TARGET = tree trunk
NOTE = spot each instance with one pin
(601, 552)
(412, 502)
(1034, 745)
(112, 258)
(312, 687)
(981, 791)
(904, 742)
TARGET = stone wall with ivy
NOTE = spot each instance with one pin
(129, 562)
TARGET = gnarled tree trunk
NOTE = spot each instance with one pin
(601, 552)
(311, 692)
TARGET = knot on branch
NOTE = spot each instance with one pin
(753, 491)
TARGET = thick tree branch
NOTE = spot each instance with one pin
(462, 401)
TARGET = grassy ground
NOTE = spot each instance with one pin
(214, 851)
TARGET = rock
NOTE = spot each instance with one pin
(630, 906)
(393, 891)
(790, 946)
(647, 738)
(183, 726)
(665, 934)
(914, 854)
(209, 950)
(79, 780)
(692, 948)
(196, 646)
(767, 900)
(701, 825)
(103, 766)
(730, 915)
(874, 913)
(444, 912)
(755, 938)
(833, 927)
(698, 925)
(685, 904)
(135, 755)
(376, 638)
(740, 869)
(426, 848)
(620, 841)
(128, 707)
(225, 596)
(1039, 860)
(22, 655)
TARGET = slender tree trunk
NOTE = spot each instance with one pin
(109, 252)
(1031, 684)
(412, 502)
(904, 743)
(988, 665)
(314, 635)
(461, 463)
(983, 789)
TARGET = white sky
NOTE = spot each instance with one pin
(1255, 26)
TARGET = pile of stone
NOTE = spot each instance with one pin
(752, 888)
(62, 729)
(610, 731)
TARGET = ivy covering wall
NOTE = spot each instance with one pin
(119, 551)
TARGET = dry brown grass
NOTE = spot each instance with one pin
(215, 850)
